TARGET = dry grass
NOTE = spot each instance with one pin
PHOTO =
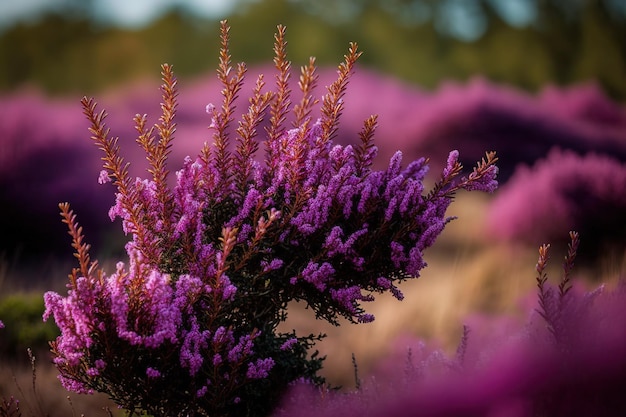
(40, 393)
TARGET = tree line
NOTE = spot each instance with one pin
(567, 42)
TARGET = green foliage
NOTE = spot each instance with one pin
(563, 46)
(24, 327)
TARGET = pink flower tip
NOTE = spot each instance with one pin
(103, 177)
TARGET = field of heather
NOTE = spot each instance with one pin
(470, 280)
(435, 229)
(554, 148)
(562, 163)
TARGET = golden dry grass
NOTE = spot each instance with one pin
(41, 394)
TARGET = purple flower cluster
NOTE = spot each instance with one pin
(322, 212)
(215, 260)
(139, 308)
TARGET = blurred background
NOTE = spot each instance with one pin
(542, 82)
(521, 77)
(85, 46)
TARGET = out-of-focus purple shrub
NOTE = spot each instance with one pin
(40, 136)
(520, 127)
(586, 105)
(526, 371)
(42, 160)
(563, 192)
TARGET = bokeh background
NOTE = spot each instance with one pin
(542, 82)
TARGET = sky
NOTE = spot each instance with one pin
(129, 13)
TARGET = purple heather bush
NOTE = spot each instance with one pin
(188, 325)
(565, 191)
(566, 359)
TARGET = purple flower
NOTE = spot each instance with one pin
(273, 265)
(194, 343)
(260, 369)
(228, 290)
(386, 284)
(317, 274)
(202, 391)
(217, 359)
(103, 177)
(349, 298)
(153, 373)
(453, 159)
(211, 111)
(288, 344)
(241, 350)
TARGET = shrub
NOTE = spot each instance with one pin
(565, 191)
(214, 261)
(520, 127)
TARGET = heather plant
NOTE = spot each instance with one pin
(215, 260)
(562, 192)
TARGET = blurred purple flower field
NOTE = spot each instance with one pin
(503, 367)
(46, 155)
(564, 191)
(563, 166)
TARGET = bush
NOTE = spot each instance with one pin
(214, 261)
(563, 192)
